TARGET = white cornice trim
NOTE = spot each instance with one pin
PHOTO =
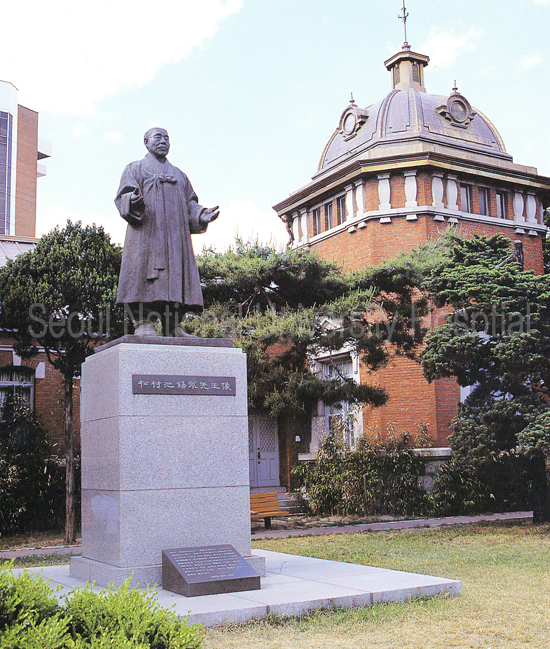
(426, 210)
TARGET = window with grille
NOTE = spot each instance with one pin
(17, 380)
(338, 417)
(396, 75)
(341, 210)
(342, 369)
(328, 214)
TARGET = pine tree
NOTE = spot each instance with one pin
(496, 340)
(61, 297)
(286, 307)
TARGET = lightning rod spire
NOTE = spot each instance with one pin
(404, 17)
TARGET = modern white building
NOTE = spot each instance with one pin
(20, 154)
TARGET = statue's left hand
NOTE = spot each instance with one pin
(210, 214)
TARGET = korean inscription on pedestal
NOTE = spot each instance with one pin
(182, 384)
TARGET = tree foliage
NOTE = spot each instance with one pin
(546, 243)
(496, 340)
(31, 487)
(61, 297)
(286, 307)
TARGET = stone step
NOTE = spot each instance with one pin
(289, 503)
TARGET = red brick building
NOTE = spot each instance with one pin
(21, 151)
(395, 175)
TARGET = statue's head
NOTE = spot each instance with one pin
(157, 142)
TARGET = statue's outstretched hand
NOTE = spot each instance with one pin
(210, 214)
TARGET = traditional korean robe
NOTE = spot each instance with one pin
(158, 262)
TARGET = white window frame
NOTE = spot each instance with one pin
(21, 377)
(466, 198)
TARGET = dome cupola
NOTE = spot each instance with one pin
(407, 69)
(409, 120)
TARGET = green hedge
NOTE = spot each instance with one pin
(376, 478)
(124, 618)
(32, 487)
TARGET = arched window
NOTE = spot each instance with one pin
(17, 379)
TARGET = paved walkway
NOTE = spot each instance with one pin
(389, 525)
(35, 552)
(308, 531)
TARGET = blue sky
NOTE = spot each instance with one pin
(251, 90)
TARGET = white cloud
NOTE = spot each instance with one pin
(80, 129)
(531, 61)
(115, 137)
(58, 215)
(245, 219)
(445, 47)
(66, 55)
(542, 2)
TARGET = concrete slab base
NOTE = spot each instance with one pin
(104, 574)
(293, 586)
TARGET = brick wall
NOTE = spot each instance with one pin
(48, 400)
(372, 245)
(412, 401)
(25, 196)
(380, 241)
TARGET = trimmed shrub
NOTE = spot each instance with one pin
(123, 618)
(132, 614)
(25, 599)
(465, 485)
(51, 633)
(375, 478)
(484, 474)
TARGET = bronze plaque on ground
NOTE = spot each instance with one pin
(207, 570)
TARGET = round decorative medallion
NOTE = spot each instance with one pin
(351, 120)
(459, 111)
(349, 123)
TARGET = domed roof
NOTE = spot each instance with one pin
(409, 114)
(409, 117)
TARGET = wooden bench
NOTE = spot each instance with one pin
(265, 506)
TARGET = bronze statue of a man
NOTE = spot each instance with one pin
(159, 277)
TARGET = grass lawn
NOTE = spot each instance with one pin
(39, 540)
(505, 600)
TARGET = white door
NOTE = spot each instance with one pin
(263, 448)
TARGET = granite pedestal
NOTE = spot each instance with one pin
(161, 470)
